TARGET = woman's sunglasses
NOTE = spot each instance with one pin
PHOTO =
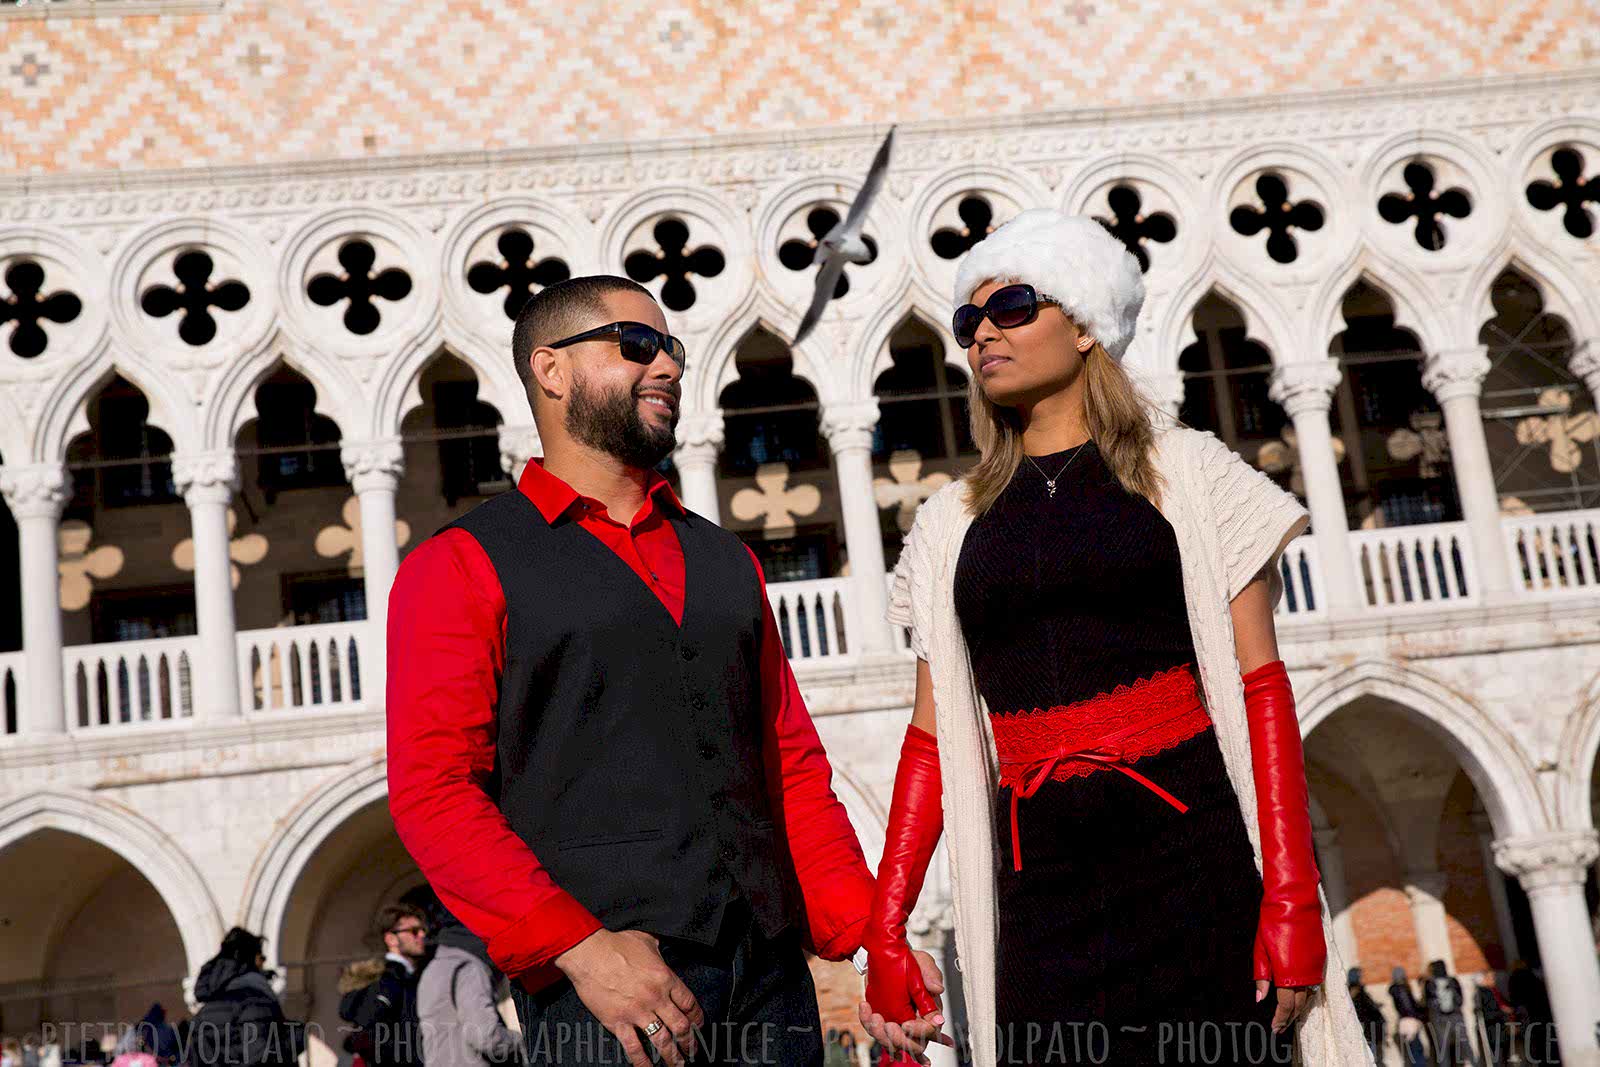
(1007, 306)
(639, 343)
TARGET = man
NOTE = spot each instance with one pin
(456, 1004)
(387, 1009)
(597, 752)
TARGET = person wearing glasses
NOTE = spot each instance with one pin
(1101, 712)
(597, 751)
(385, 1012)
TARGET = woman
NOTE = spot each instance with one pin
(1100, 709)
(240, 1023)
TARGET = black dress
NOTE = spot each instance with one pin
(1126, 937)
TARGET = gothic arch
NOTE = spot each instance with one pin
(1406, 292)
(397, 392)
(1491, 757)
(1580, 749)
(338, 394)
(66, 411)
(870, 354)
(719, 366)
(146, 847)
(1561, 294)
(300, 834)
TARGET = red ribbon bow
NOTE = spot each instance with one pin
(1103, 751)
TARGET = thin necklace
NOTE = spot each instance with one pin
(1050, 483)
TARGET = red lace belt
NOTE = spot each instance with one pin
(1108, 731)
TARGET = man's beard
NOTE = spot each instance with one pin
(611, 423)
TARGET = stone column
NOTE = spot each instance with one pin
(374, 469)
(1425, 892)
(1551, 868)
(518, 444)
(1305, 390)
(699, 443)
(1494, 878)
(208, 481)
(848, 428)
(1330, 858)
(36, 495)
(1456, 380)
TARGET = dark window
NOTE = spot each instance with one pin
(922, 401)
(126, 459)
(299, 449)
(806, 556)
(142, 614)
(769, 415)
(469, 442)
(314, 598)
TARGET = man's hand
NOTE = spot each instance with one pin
(1292, 1003)
(914, 1035)
(622, 979)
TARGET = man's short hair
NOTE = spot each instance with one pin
(561, 310)
(390, 915)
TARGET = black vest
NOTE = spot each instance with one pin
(629, 754)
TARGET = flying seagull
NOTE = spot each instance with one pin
(843, 243)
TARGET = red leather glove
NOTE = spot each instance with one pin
(1290, 949)
(916, 819)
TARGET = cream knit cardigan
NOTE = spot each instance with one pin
(1230, 520)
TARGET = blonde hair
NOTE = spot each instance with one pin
(1118, 418)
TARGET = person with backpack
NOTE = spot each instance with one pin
(1441, 992)
(386, 1010)
(240, 1022)
(456, 1003)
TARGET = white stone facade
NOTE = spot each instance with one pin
(1464, 683)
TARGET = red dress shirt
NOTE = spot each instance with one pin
(447, 629)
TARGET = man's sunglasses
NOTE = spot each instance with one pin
(639, 343)
(1007, 306)
(420, 931)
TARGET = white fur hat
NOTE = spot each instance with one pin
(1069, 257)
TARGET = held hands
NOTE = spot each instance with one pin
(621, 977)
(905, 985)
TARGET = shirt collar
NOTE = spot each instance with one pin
(410, 967)
(554, 497)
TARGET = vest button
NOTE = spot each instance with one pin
(708, 751)
(728, 853)
(697, 702)
(688, 653)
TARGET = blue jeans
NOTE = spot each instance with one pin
(759, 1002)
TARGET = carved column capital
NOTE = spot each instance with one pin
(371, 465)
(1304, 386)
(1548, 861)
(1455, 374)
(206, 477)
(518, 444)
(700, 439)
(850, 425)
(36, 491)
(1585, 363)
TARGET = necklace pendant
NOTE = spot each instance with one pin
(1052, 487)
